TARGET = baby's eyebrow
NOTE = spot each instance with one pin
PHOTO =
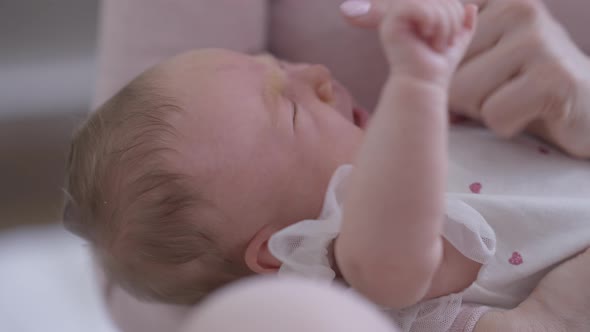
(273, 85)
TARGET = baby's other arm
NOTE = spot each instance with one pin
(390, 246)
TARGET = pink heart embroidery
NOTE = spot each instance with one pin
(475, 187)
(516, 259)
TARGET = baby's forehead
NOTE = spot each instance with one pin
(207, 74)
(218, 77)
(213, 61)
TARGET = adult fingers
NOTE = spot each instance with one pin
(364, 13)
(487, 34)
(510, 109)
(498, 18)
(479, 78)
(542, 92)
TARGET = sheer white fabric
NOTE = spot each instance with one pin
(303, 247)
(518, 207)
(303, 250)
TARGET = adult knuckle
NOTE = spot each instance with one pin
(492, 121)
(531, 42)
(462, 98)
(525, 9)
(557, 87)
(501, 131)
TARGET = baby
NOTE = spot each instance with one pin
(201, 170)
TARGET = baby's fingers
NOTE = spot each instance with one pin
(470, 17)
(444, 27)
(438, 23)
(452, 23)
(458, 12)
(418, 16)
(467, 31)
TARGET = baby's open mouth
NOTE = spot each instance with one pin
(360, 117)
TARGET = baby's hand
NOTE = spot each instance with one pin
(426, 39)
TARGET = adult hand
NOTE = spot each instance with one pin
(561, 302)
(521, 72)
(564, 293)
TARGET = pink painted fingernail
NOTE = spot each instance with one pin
(354, 8)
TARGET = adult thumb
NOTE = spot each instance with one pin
(364, 13)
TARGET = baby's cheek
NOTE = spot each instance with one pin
(341, 146)
(274, 86)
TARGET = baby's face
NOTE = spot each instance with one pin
(263, 136)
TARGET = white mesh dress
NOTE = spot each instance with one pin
(518, 207)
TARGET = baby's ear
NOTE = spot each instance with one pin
(257, 256)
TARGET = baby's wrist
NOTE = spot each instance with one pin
(437, 77)
(417, 87)
(419, 82)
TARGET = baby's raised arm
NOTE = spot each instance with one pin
(390, 245)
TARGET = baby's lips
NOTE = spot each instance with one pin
(360, 117)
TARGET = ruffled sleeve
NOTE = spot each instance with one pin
(303, 248)
(468, 231)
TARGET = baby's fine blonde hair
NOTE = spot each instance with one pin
(146, 223)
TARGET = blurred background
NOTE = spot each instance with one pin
(47, 68)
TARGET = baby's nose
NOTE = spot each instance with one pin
(316, 73)
(319, 79)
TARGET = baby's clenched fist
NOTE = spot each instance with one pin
(426, 39)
